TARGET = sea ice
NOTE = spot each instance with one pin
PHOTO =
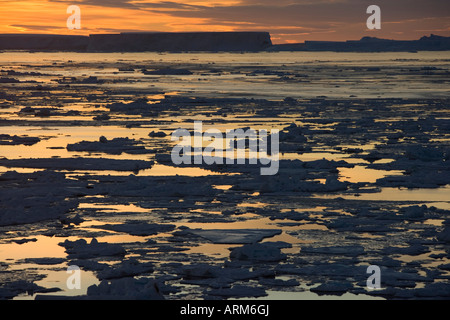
(127, 268)
(125, 289)
(233, 236)
(259, 252)
(78, 164)
(137, 228)
(114, 146)
(333, 288)
(80, 249)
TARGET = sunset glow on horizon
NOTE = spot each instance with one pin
(288, 21)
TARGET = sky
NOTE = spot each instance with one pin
(288, 21)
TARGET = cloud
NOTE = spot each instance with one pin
(101, 3)
(36, 27)
(284, 19)
(132, 4)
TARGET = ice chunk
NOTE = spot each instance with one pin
(138, 228)
(424, 153)
(6, 139)
(412, 250)
(233, 236)
(9, 290)
(28, 198)
(115, 146)
(125, 289)
(128, 268)
(24, 240)
(78, 164)
(444, 235)
(168, 71)
(334, 288)
(200, 271)
(80, 249)
(278, 282)
(434, 290)
(335, 250)
(413, 212)
(159, 134)
(45, 261)
(257, 252)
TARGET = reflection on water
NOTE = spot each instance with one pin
(58, 279)
(363, 174)
(43, 247)
(440, 195)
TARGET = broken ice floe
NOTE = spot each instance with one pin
(335, 250)
(258, 252)
(81, 249)
(78, 164)
(405, 133)
(137, 228)
(118, 289)
(45, 261)
(231, 236)
(12, 289)
(334, 288)
(28, 198)
(114, 146)
(168, 72)
(125, 289)
(127, 268)
(6, 139)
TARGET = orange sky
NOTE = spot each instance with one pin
(286, 20)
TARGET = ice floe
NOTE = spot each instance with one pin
(114, 146)
(232, 236)
(258, 252)
(78, 164)
(81, 249)
(138, 228)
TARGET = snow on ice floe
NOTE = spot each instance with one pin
(81, 249)
(231, 236)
